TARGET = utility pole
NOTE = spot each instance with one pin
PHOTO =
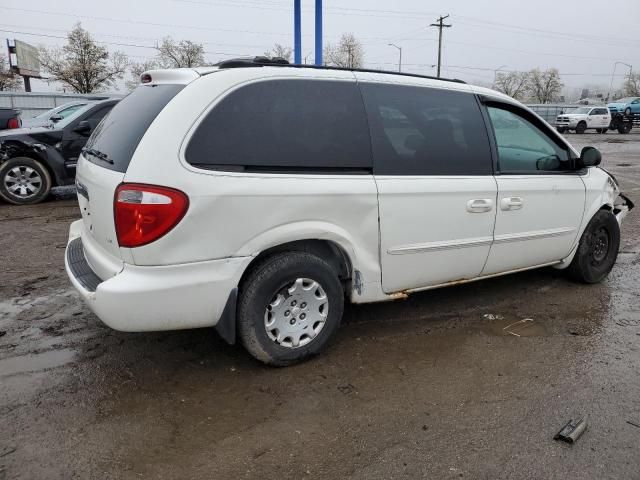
(440, 26)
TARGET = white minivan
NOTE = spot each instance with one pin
(257, 197)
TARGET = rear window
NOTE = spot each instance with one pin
(285, 126)
(116, 138)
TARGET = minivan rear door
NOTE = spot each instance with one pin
(103, 165)
(436, 190)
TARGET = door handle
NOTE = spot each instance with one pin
(511, 203)
(479, 205)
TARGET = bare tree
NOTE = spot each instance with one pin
(185, 53)
(349, 52)
(544, 86)
(82, 64)
(631, 87)
(279, 51)
(8, 79)
(514, 84)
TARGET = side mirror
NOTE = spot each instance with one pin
(590, 157)
(55, 118)
(83, 128)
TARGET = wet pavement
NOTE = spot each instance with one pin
(471, 381)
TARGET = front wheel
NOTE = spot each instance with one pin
(290, 307)
(581, 128)
(24, 181)
(561, 129)
(597, 250)
(627, 111)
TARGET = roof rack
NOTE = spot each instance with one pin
(281, 62)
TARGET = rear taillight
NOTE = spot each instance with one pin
(14, 122)
(144, 213)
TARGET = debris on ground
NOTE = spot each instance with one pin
(572, 430)
(515, 327)
(491, 316)
(635, 424)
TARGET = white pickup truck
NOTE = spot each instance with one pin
(583, 118)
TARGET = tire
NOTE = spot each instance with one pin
(604, 130)
(581, 128)
(627, 111)
(597, 250)
(624, 128)
(276, 290)
(598, 130)
(24, 181)
(561, 129)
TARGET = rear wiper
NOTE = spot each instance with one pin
(98, 154)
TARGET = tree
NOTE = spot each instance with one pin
(82, 64)
(544, 86)
(349, 53)
(185, 53)
(8, 79)
(631, 87)
(514, 84)
(279, 51)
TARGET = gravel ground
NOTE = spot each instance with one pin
(432, 387)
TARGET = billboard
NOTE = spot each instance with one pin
(24, 59)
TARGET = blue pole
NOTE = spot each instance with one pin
(297, 33)
(318, 32)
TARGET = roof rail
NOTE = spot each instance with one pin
(281, 62)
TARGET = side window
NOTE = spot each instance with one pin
(426, 131)
(523, 147)
(68, 111)
(594, 112)
(285, 125)
(94, 117)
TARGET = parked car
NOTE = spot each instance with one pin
(54, 115)
(285, 191)
(10, 119)
(585, 118)
(32, 160)
(628, 105)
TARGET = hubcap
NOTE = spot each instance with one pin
(23, 181)
(297, 313)
(599, 246)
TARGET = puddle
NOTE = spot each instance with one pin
(36, 362)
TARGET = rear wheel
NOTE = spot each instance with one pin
(581, 128)
(290, 307)
(24, 181)
(597, 250)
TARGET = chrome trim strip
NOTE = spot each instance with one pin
(534, 235)
(439, 246)
(478, 242)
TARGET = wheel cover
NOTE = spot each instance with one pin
(297, 313)
(599, 250)
(22, 181)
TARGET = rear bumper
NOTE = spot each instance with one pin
(139, 299)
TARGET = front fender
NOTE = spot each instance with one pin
(47, 155)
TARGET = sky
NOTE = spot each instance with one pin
(582, 39)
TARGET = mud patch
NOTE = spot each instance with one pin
(36, 362)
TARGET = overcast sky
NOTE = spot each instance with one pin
(582, 39)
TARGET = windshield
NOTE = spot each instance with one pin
(116, 138)
(582, 110)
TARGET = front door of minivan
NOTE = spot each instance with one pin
(540, 195)
(436, 190)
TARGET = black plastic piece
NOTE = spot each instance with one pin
(281, 62)
(226, 326)
(79, 266)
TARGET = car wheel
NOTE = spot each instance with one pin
(289, 308)
(627, 111)
(561, 130)
(581, 127)
(604, 130)
(598, 130)
(24, 181)
(597, 250)
(624, 128)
